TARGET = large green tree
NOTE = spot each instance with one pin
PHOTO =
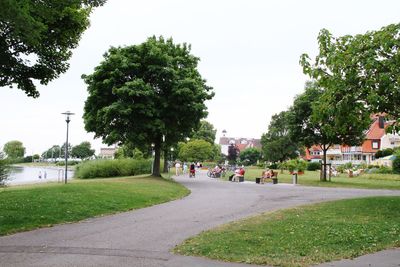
(53, 152)
(196, 150)
(14, 149)
(83, 150)
(36, 38)
(205, 132)
(320, 117)
(364, 68)
(277, 145)
(146, 93)
(249, 156)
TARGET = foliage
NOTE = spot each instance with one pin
(295, 165)
(313, 166)
(299, 237)
(37, 38)
(70, 163)
(316, 119)
(4, 169)
(396, 163)
(362, 70)
(14, 149)
(384, 153)
(250, 156)
(196, 150)
(140, 93)
(82, 151)
(277, 144)
(205, 132)
(233, 153)
(53, 152)
(112, 168)
(49, 204)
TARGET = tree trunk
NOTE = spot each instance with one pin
(156, 162)
(166, 156)
(324, 149)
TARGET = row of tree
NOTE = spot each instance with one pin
(352, 78)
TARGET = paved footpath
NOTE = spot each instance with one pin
(145, 237)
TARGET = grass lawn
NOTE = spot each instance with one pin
(311, 178)
(28, 207)
(304, 236)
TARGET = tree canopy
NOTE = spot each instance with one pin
(14, 149)
(205, 132)
(36, 38)
(277, 145)
(142, 93)
(196, 150)
(83, 150)
(249, 156)
(363, 69)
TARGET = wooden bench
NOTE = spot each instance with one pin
(274, 178)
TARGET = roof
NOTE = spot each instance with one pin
(374, 131)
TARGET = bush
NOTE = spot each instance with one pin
(396, 164)
(273, 166)
(295, 164)
(112, 168)
(70, 163)
(313, 166)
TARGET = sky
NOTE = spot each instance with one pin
(249, 53)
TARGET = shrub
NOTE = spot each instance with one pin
(296, 164)
(70, 163)
(384, 170)
(112, 168)
(313, 166)
(396, 163)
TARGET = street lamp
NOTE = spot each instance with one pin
(170, 163)
(67, 114)
(152, 157)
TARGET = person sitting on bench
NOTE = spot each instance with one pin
(238, 174)
(267, 174)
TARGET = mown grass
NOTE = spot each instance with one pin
(311, 178)
(304, 236)
(28, 207)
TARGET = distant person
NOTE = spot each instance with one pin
(177, 168)
(45, 175)
(40, 175)
(192, 170)
(185, 168)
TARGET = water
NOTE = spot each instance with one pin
(27, 175)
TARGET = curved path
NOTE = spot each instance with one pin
(144, 237)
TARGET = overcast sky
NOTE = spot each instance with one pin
(249, 53)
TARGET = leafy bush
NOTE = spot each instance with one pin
(112, 168)
(313, 166)
(70, 163)
(4, 169)
(296, 164)
(396, 163)
(384, 153)
(273, 166)
(381, 170)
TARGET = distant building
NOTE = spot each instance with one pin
(375, 139)
(107, 153)
(240, 142)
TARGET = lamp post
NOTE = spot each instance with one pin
(170, 163)
(152, 158)
(67, 114)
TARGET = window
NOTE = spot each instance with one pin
(375, 144)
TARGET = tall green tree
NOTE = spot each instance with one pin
(14, 149)
(196, 150)
(233, 154)
(4, 169)
(277, 144)
(36, 38)
(82, 151)
(249, 156)
(53, 152)
(320, 117)
(363, 69)
(205, 132)
(144, 94)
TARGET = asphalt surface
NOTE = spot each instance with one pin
(145, 237)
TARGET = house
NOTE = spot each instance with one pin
(375, 139)
(241, 143)
(107, 153)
